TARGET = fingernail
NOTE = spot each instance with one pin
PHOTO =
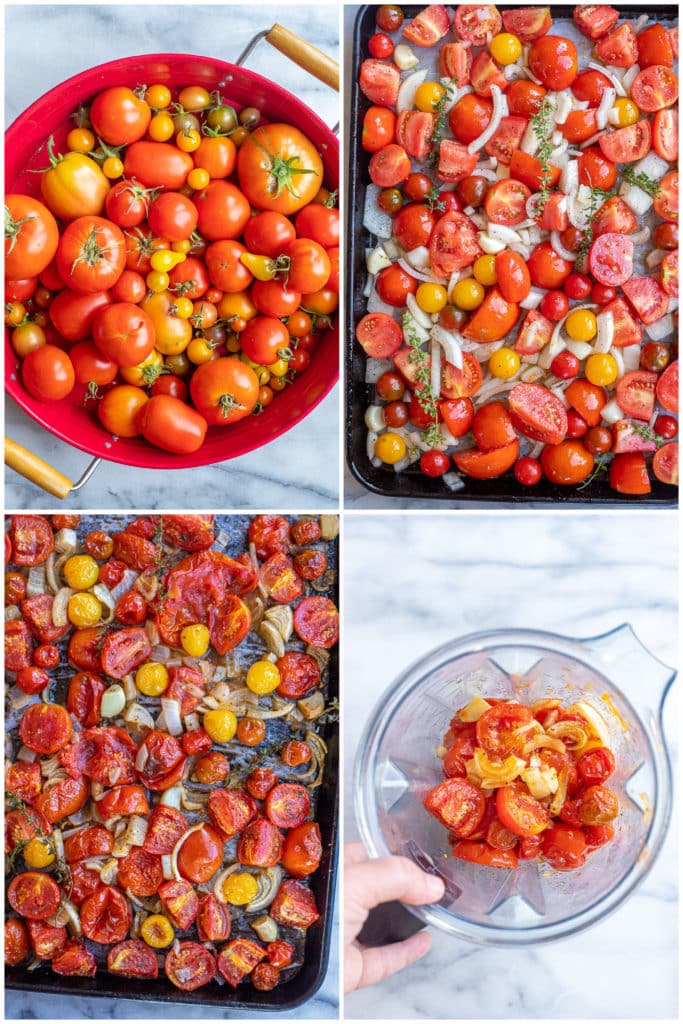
(435, 887)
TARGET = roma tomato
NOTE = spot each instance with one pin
(31, 237)
(91, 254)
(118, 116)
(124, 333)
(157, 165)
(224, 390)
(169, 423)
(279, 169)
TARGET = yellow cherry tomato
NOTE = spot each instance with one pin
(183, 307)
(428, 96)
(152, 678)
(81, 572)
(164, 260)
(199, 351)
(390, 448)
(505, 48)
(220, 724)
(157, 281)
(627, 112)
(504, 363)
(467, 294)
(161, 128)
(194, 97)
(581, 325)
(263, 677)
(431, 297)
(262, 267)
(188, 140)
(278, 368)
(157, 931)
(601, 369)
(39, 853)
(240, 888)
(485, 270)
(112, 167)
(198, 178)
(83, 609)
(195, 639)
(80, 140)
(158, 96)
(237, 304)
(146, 372)
(183, 246)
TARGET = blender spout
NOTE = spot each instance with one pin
(639, 673)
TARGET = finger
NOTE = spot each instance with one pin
(383, 961)
(391, 878)
(354, 853)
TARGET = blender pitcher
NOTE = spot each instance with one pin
(397, 766)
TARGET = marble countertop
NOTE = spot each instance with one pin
(412, 582)
(300, 469)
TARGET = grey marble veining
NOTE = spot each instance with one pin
(300, 470)
(412, 582)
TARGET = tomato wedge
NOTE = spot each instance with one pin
(539, 411)
(487, 465)
(595, 20)
(475, 23)
(528, 23)
(666, 200)
(453, 244)
(655, 88)
(647, 297)
(461, 383)
(428, 26)
(665, 464)
(379, 81)
(636, 394)
(665, 134)
(667, 388)
(520, 812)
(628, 474)
(624, 145)
(493, 319)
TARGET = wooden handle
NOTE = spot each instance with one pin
(22, 461)
(307, 56)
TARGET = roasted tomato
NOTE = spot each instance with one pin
(238, 959)
(132, 959)
(201, 854)
(166, 826)
(189, 965)
(213, 920)
(288, 804)
(33, 895)
(230, 810)
(180, 903)
(302, 849)
(294, 905)
(164, 763)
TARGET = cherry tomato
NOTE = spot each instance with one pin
(527, 471)
(434, 463)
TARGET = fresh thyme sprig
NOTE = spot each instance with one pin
(642, 181)
(647, 434)
(432, 200)
(542, 124)
(598, 197)
(440, 122)
(601, 466)
(423, 375)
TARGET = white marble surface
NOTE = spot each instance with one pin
(300, 470)
(413, 582)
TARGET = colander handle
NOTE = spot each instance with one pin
(303, 53)
(35, 469)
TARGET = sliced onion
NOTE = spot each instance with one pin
(171, 709)
(605, 335)
(405, 100)
(661, 328)
(556, 243)
(563, 106)
(630, 75)
(37, 581)
(419, 257)
(59, 606)
(435, 368)
(53, 583)
(219, 881)
(500, 110)
(138, 717)
(66, 542)
(421, 275)
(142, 758)
(104, 596)
(418, 314)
(450, 342)
(411, 326)
(126, 584)
(635, 197)
(641, 236)
(530, 141)
(268, 885)
(503, 233)
(611, 412)
(608, 73)
(655, 257)
(533, 299)
(606, 104)
(593, 139)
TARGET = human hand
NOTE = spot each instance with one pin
(367, 883)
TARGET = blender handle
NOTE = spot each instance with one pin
(388, 923)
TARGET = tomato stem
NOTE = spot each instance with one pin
(227, 403)
(13, 228)
(282, 171)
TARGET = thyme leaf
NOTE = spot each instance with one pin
(542, 124)
(642, 181)
(423, 375)
(440, 121)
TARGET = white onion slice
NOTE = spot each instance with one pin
(605, 335)
(435, 369)
(171, 709)
(418, 314)
(611, 412)
(661, 328)
(593, 139)
(421, 275)
(608, 73)
(563, 106)
(533, 299)
(418, 258)
(630, 76)
(405, 99)
(559, 248)
(655, 257)
(606, 104)
(450, 343)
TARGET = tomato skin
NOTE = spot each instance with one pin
(263, 338)
(513, 276)
(260, 844)
(31, 245)
(217, 156)
(268, 233)
(106, 916)
(492, 426)
(379, 81)
(157, 165)
(589, 86)
(655, 88)
(173, 215)
(201, 855)
(170, 424)
(119, 408)
(520, 812)
(667, 388)
(389, 166)
(316, 622)
(47, 373)
(628, 474)
(487, 465)
(224, 391)
(458, 805)
(546, 268)
(33, 895)
(223, 211)
(567, 463)
(394, 285)
(564, 847)
(124, 333)
(481, 853)
(288, 805)
(118, 116)
(17, 946)
(554, 62)
(257, 158)
(494, 318)
(85, 697)
(624, 145)
(72, 313)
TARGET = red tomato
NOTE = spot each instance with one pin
(654, 47)
(520, 812)
(269, 534)
(213, 920)
(493, 320)
(554, 62)
(223, 211)
(430, 25)
(169, 423)
(498, 729)
(458, 414)
(280, 579)
(379, 81)
(127, 204)
(119, 116)
(564, 847)
(394, 285)
(288, 805)
(546, 268)
(595, 170)
(669, 274)
(91, 254)
(595, 20)
(434, 463)
(636, 394)
(487, 465)
(530, 171)
(302, 850)
(166, 826)
(598, 835)
(567, 463)
(414, 129)
(124, 333)
(458, 805)
(31, 238)
(230, 811)
(598, 805)
(665, 464)
(647, 297)
(33, 895)
(506, 201)
(123, 800)
(260, 844)
(528, 23)
(665, 134)
(16, 941)
(482, 853)
(45, 728)
(200, 856)
(157, 165)
(389, 166)
(47, 373)
(579, 126)
(540, 413)
(132, 959)
(238, 959)
(624, 145)
(63, 799)
(453, 244)
(455, 61)
(165, 761)
(596, 765)
(106, 915)
(628, 474)
(379, 126)
(528, 471)
(655, 88)
(666, 200)
(93, 841)
(189, 966)
(512, 276)
(589, 86)
(619, 47)
(524, 97)
(180, 903)
(85, 697)
(316, 621)
(492, 427)
(469, 117)
(554, 305)
(610, 259)
(667, 388)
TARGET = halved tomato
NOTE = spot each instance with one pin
(379, 335)
(414, 130)
(428, 26)
(628, 474)
(619, 48)
(379, 81)
(520, 812)
(595, 20)
(647, 297)
(626, 438)
(540, 411)
(654, 47)
(614, 216)
(665, 463)
(624, 145)
(507, 138)
(610, 259)
(455, 61)
(389, 166)
(455, 161)
(484, 73)
(579, 125)
(463, 383)
(487, 465)
(526, 168)
(453, 244)
(458, 804)
(524, 97)
(513, 277)
(554, 216)
(493, 319)
(665, 134)
(506, 201)
(535, 332)
(667, 388)
(492, 427)
(655, 88)
(528, 23)
(481, 853)
(475, 23)
(627, 330)
(636, 394)
(666, 200)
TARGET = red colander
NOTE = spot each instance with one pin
(25, 151)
